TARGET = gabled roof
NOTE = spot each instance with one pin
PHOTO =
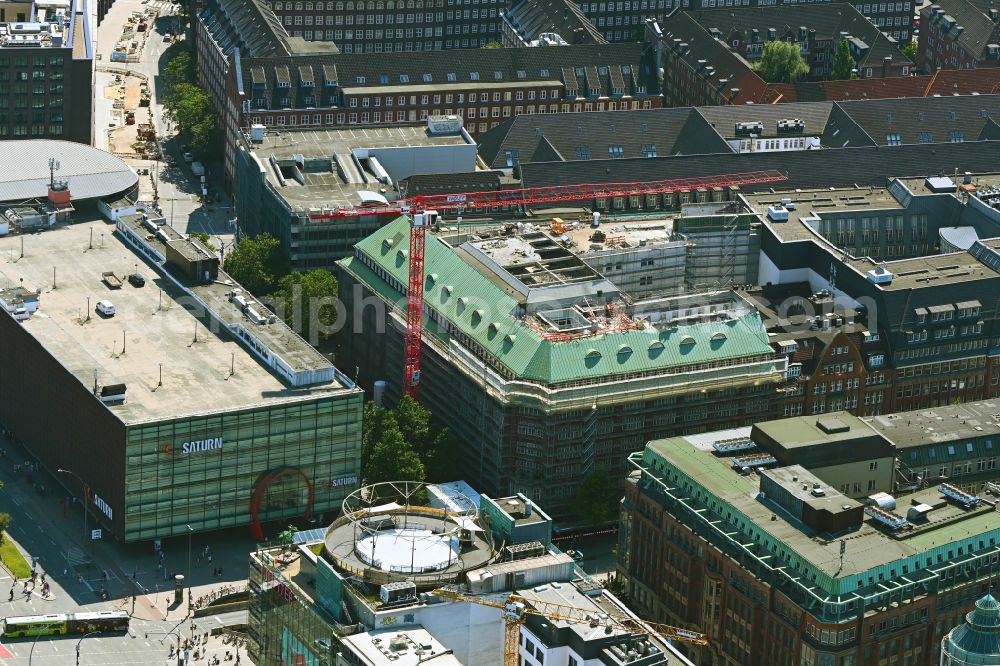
(692, 43)
(665, 131)
(972, 15)
(805, 168)
(828, 20)
(464, 68)
(982, 81)
(531, 18)
(431, 184)
(924, 120)
(522, 350)
(253, 28)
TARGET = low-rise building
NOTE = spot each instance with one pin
(959, 34)
(291, 183)
(47, 70)
(329, 600)
(779, 566)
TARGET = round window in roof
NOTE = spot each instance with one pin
(718, 337)
(624, 351)
(687, 340)
(593, 353)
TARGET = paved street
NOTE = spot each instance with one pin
(176, 186)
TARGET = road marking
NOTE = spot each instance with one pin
(5, 653)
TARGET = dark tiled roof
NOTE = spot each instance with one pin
(253, 28)
(531, 18)
(828, 20)
(983, 81)
(724, 118)
(923, 120)
(456, 67)
(972, 15)
(433, 184)
(692, 43)
(810, 168)
(667, 131)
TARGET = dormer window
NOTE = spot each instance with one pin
(383, 79)
(360, 80)
(474, 76)
(428, 78)
(452, 77)
(404, 78)
(284, 84)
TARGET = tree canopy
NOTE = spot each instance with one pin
(309, 302)
(781, 62)
(438, 451)
(393, 459)
(597, 501)
(189, 105)
(909, 49)
(843, 63)
(257, 263)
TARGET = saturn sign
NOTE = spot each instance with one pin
(201, 445)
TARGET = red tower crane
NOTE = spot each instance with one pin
(423, 211)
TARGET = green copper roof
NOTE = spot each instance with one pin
(486, 313)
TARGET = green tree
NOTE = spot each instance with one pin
(415, 424)
(257, 263)
(597, 501)
(909, 49)
(202, 236)
(286, 537)
(375, 421)
(843, 63)
(492, 45)
(443, 459)
(393, 459)
(309, 302)
(781, 62)
(4, 523)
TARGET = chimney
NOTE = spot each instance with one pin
(772, 34)
(803, 33)
(886, 62)
(734, 93)
(994, 16)
(754, 36)
(958, 31)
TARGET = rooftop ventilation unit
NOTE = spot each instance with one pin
(887, 518)
(777, 213)
(791, 125)
(746, 129)
(880, 275)
(733, 445)
(958, 495)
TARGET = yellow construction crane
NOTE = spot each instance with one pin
(515, 608)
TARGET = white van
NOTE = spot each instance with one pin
(106, 308)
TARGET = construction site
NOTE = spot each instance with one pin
(559, 347)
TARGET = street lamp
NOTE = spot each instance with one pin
(190, 590)
(78, 645)
(31, 653)
(83, 486)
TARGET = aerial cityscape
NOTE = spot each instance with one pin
(499, 333)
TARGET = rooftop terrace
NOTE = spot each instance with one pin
(202, 370)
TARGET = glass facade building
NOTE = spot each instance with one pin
(205, 471)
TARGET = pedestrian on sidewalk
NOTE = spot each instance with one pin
(11, 594)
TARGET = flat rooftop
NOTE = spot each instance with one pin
(213, 374)
(399, 647)
(332, 177)
(867, 547)
(928, 271)
(619, 234)
(948, 423)
(805, 431)
(810, 203)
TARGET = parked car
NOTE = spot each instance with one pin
(137, 280)
(105, 308)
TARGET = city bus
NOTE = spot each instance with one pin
(63, 623)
